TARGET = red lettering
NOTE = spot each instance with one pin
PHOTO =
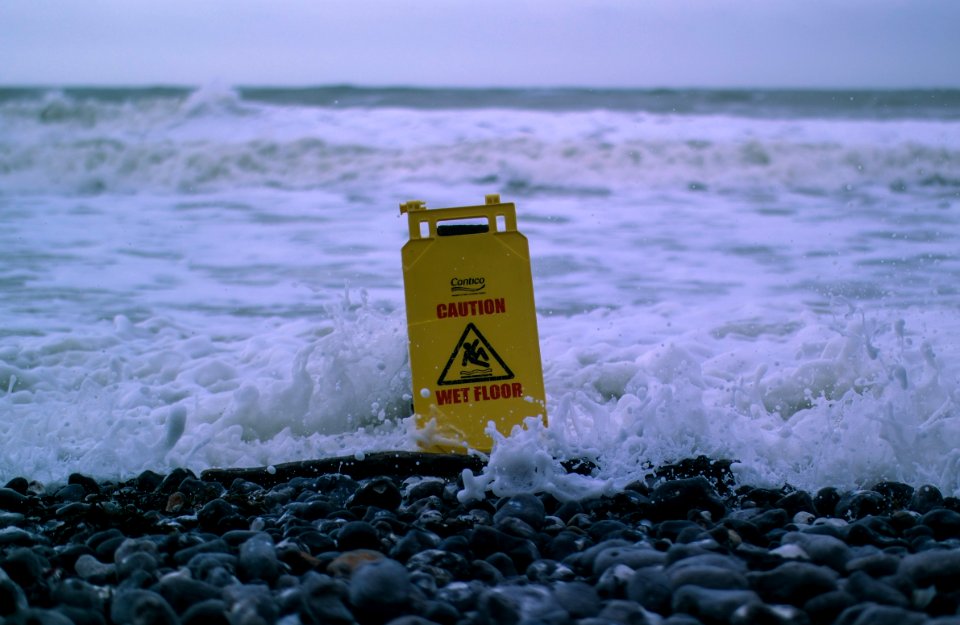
(472, 308)
(497, 391)
(452, 396)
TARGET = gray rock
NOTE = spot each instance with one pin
(209, 612)
(650, 587)
(938, 567)
(866, 588)
(706, 576)
(873, 614)
(925, 499)
(528, 508)
(322, 600)
(381, 587)
(793, 583)
(579, 599)
(94, 571)
(258, 560)
(822, 549)
(633, 556)
(709, 604)
(136, 607)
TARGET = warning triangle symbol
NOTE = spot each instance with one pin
(474, 360)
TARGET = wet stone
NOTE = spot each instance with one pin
(674, 499)
(334, 549)
(527, 508)
(925, 499)
(793, 583)
(943, 522)
(358, 535)
(858, 504)
(380, 492)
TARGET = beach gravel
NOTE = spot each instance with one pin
(685, 547)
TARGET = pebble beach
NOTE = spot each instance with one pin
(685, 546)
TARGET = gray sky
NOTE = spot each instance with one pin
(602, 43)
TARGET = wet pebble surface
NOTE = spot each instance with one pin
(686, 547)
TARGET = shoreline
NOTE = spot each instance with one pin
(688, 547)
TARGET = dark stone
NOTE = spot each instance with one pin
(897, 494)
(770, 520)
(496, 608)
(825, 501)
(358, 535)
(822, 549)
(25, 566)
(208, 612)
(705, 576)
(455, 564)
(322, 601)
(797, 501)
(182, 591)
(381, 492)
(503, 563)
(169, 484)
(89, 485)
(526, 507)
(580, 600)
(873, 614)
(675, 498)
(626, 612)
(875, 565)
(219, 516)
(18, 485)
(710, 605)
(185, 555)
(12, 500)
(198, 491)
(933, 567)
(866, 588)
(381, 589)
(441, 612)
(762, 498)
(133, 607)
(12, 597)
(566, 543)
(671, 529)
(861, 503)
(414, 541)
(148, 481)
(925, 499)
(944, 523)
(761, 614)
(80, 616)
(257, 560)
(650, 587)
(794, 583)
(38, 616)
(827, 607)
(631, 556)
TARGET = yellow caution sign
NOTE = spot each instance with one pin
(474, 349)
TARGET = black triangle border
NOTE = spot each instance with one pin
(456, 350)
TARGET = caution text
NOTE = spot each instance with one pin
(472, 308)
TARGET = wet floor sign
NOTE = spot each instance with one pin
(474, 349)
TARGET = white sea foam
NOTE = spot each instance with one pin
(210, 282)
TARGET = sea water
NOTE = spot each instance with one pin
(211, 277)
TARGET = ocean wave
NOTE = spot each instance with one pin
(521, 165)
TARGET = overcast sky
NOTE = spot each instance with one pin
(602, 43)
